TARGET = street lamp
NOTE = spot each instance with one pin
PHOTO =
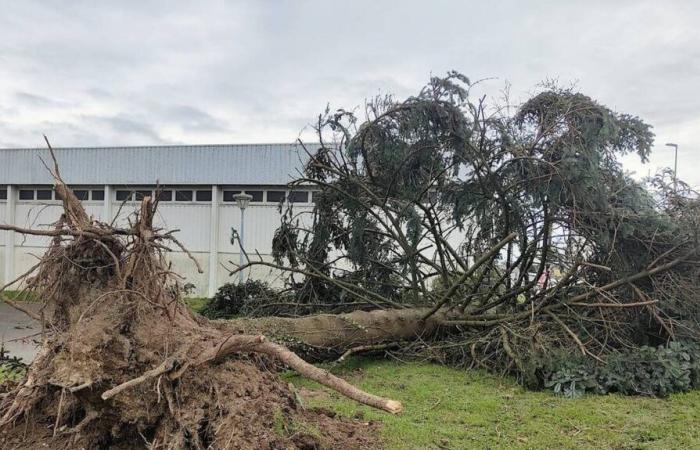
(242, 201)
(675, 166)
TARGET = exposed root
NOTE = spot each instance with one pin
(124, 364)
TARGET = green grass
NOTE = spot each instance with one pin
(461, 409)
(20, 296)
(196, 303)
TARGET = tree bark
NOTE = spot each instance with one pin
(341, 332)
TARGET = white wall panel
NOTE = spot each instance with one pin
(35, 215)
(2, 262)
(3, 205)
(94, 209)
(261, 223)
(122, 211)
(191, 219)
(260, 226)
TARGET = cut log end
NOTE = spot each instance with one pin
(393, 406)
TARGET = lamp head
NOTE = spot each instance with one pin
(242, 200)
(671, 144)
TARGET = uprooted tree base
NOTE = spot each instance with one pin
(124, 364)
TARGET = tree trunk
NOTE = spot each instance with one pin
(325, 335)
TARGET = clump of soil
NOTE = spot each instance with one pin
(235, 405)
(124, 364)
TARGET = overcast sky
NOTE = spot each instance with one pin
(140, 73)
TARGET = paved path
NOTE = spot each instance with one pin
(16, 330)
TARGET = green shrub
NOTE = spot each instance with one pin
(12, 369)
(235, 299)
(11, 373)
(654, 371)
(570, 375)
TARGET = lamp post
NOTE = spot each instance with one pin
(675, 166)
(242, 201)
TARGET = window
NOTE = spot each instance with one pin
(183, 196)
(82, 194)
(44, 194)
(26, 194)
(203, 196)
(3, 193)
(257, 195)
(140, 195)
(228, 195)
(98, 195)
(123, 196)
(165, 196)
(275, 196)
(314, 196)
(299, 197)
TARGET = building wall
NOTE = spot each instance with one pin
(193, 219)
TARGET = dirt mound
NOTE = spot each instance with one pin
(124, 364)
(234, 405)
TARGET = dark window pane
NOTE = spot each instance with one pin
(183, 196)
(314, 196)
(228, 195)
(98, 195)
(299, 197)
(26, 194)
(82, 194)
(203, 196)
(165, 196)
(257, 195)
(140, 195)
(3, 193)
(275, 196)
(44, 194)
(123, 195)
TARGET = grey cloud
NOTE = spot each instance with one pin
(28, 99)
(139, 72)
(193, 119)
(131, 127)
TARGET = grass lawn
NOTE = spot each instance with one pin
(20, 296)
(446, 408)
(196, 303)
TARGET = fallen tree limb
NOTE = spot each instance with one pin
(327, 379)
(613, 305)
(165, 367)
(26, 311)
(365, 348)
(465, 276)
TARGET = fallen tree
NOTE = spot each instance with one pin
(502, 236)
(125, 364)
(325, 335)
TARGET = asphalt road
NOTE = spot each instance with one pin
(18, 332)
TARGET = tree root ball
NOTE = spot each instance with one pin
(124, 364)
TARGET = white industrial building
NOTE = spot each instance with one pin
(197, 183)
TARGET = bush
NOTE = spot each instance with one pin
(655, 371)
(12, 369)
(235, 299)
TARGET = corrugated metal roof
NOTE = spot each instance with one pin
(259, 164)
